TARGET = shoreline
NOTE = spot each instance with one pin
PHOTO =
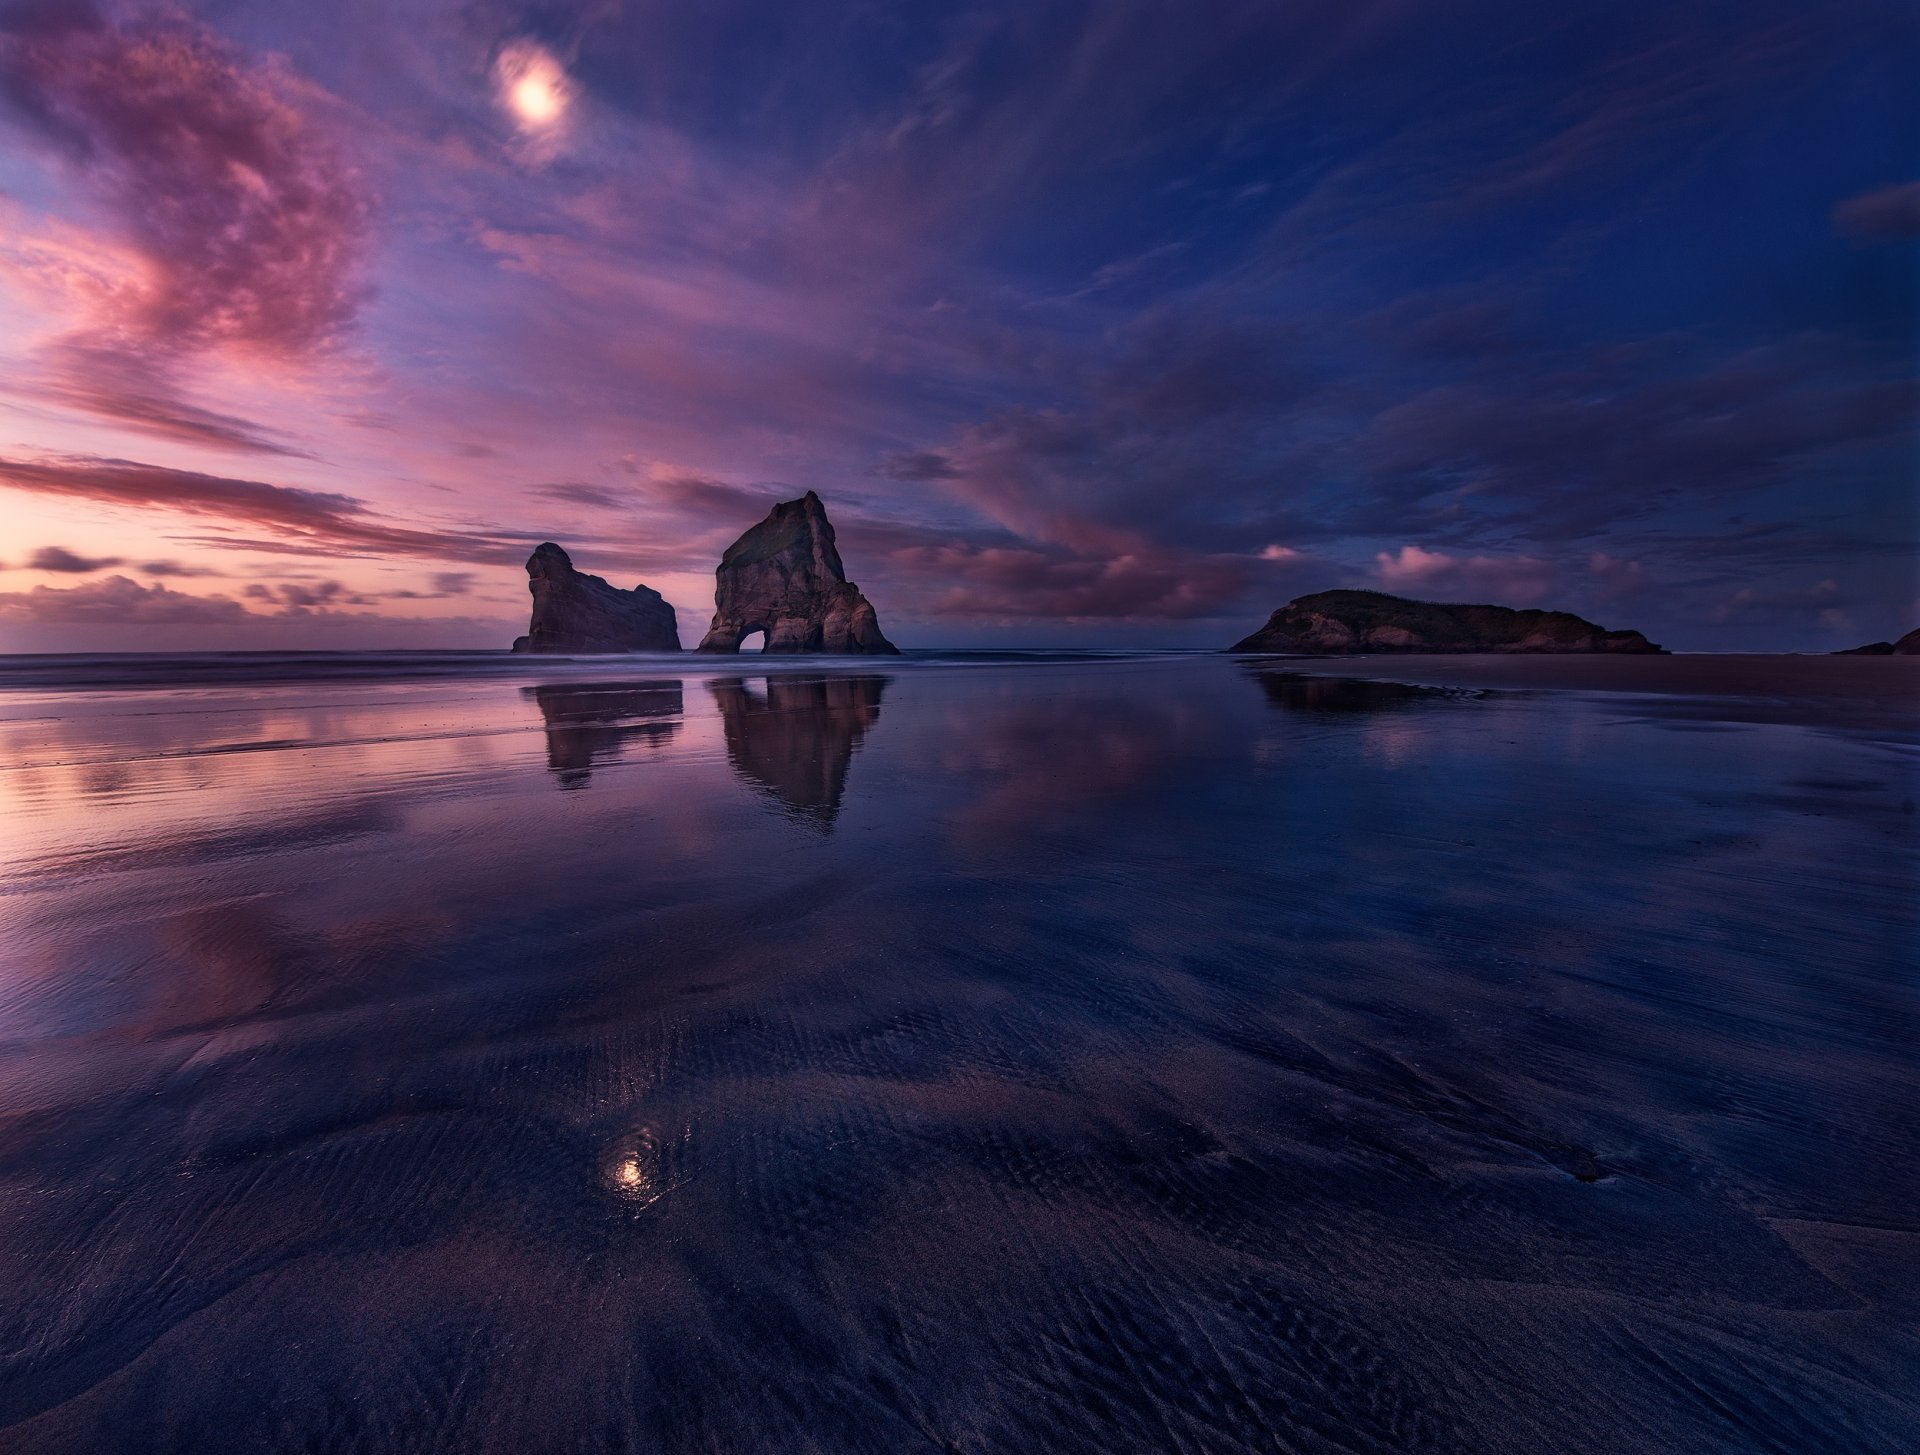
(1874, 694)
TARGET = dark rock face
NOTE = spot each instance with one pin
(589, 723)
(1333, 623)
(796, 741)
(1907, 646)
(575, 612)
(784, 578)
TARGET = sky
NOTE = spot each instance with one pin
(1099, 324)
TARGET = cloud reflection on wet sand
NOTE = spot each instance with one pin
(1152, 1056)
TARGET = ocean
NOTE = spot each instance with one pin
(964, 1052)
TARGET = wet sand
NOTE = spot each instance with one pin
(1876, 694)
(1159, 1053)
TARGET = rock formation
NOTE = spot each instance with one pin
(797, 740)
(1907, 646)
(589, 723)
(784, 578)
(1340, 622)
(575, 612)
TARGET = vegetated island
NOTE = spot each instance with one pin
(1335, 623)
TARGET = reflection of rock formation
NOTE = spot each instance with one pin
(575, 612)
(592, 722)
(1298, 692)
(784, 578)
(797, 739)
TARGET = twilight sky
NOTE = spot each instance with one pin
(1092, 323)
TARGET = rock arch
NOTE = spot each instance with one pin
(784, 577)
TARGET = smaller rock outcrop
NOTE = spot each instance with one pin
(784, 578)
(1333, 623)
(575, 612)
(1907, 646)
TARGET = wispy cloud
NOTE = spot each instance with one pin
(242, 228)
(1886, 214)
(594, 497)
(310, 521)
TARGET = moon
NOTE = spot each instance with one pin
(533, 85)
(537, 100)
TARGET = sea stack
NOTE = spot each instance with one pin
(784, 578)
(1336, 623)
(575, 612)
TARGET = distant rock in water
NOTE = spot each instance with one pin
(575, 612)
(1338, 622)
(1907, 646)
(784, 578)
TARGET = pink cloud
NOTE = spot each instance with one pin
(248, 219)
(119, 382)
(307, 521)
(235, 223)
(1502, 580)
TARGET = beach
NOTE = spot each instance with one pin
(960, 1052)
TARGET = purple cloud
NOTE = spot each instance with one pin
(318, 596)
(1026, 582)
(247, 223)
(250, 220)
(59, 558)
(118, 601)
(175, 568)
(595, 497)
(1888, 214)
(920, 465)
(1824, 603)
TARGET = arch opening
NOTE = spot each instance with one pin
(754, 641)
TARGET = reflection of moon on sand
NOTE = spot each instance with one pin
(632, 1168)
